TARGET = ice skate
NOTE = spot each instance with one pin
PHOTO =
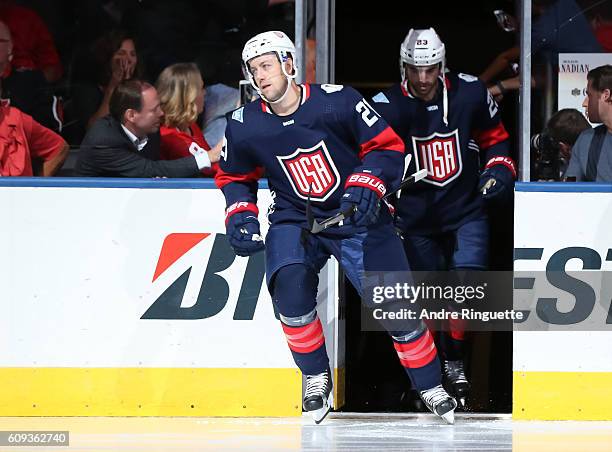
(440, 403)
(457, 384)
(318, 397)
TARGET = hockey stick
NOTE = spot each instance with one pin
(488, 185)
(413, 178)
(316, 227)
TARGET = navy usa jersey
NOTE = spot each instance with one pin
(453, 155)
(311, 152)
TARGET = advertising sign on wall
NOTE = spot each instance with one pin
(573, 70)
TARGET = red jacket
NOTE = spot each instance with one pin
(21, 139)
(175, 144)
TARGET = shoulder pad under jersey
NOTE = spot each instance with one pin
(330, 88)
(381, 98)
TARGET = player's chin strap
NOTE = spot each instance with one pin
(444, 102)
(289, 79)
(444, 92)
(444, 95)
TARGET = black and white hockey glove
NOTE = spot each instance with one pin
(497, 180)
(242, 228)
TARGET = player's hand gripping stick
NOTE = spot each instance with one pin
(316, 227)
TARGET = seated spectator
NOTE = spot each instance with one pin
(24, 143)
(126, 142)
(591, 158)
(113, 58)
(181, 94)
(34, 49)
(27, 89)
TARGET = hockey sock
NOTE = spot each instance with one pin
(452, 348)
(418, 355)
(294, 294)
(452, 341)
(307, 345)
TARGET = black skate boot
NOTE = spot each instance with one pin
(318, 397)
(456, 382)
(440, 403)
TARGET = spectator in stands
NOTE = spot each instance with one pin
(591, 158)
(34, 67)
(33, 47)
(126, 142)
(181, 94)
(114, 58)
(26, 147)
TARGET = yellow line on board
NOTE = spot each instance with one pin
(562, 396)
(150, 392)
(339, 379)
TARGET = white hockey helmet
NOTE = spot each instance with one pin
(422, 48)
(267, 42)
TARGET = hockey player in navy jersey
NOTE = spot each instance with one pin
(451, 127)
(322, 144)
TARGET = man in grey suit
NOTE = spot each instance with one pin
(591, 159)
(126, 142)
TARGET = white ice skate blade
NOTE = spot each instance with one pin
(319, 415)
(449, 417)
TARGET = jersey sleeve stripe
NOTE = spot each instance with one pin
(306, 92)
(386, 140)
(490, 137)
(264, 107)
(222, 178)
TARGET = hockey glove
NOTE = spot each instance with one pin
(497, 180)
(242, 228)
(363, 191)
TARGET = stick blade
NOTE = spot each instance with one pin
(420, 174)
(315, 227)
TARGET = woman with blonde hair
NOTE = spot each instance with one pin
(181, 95)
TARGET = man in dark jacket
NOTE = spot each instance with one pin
(126, 142)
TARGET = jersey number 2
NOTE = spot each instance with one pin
(368, 114)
